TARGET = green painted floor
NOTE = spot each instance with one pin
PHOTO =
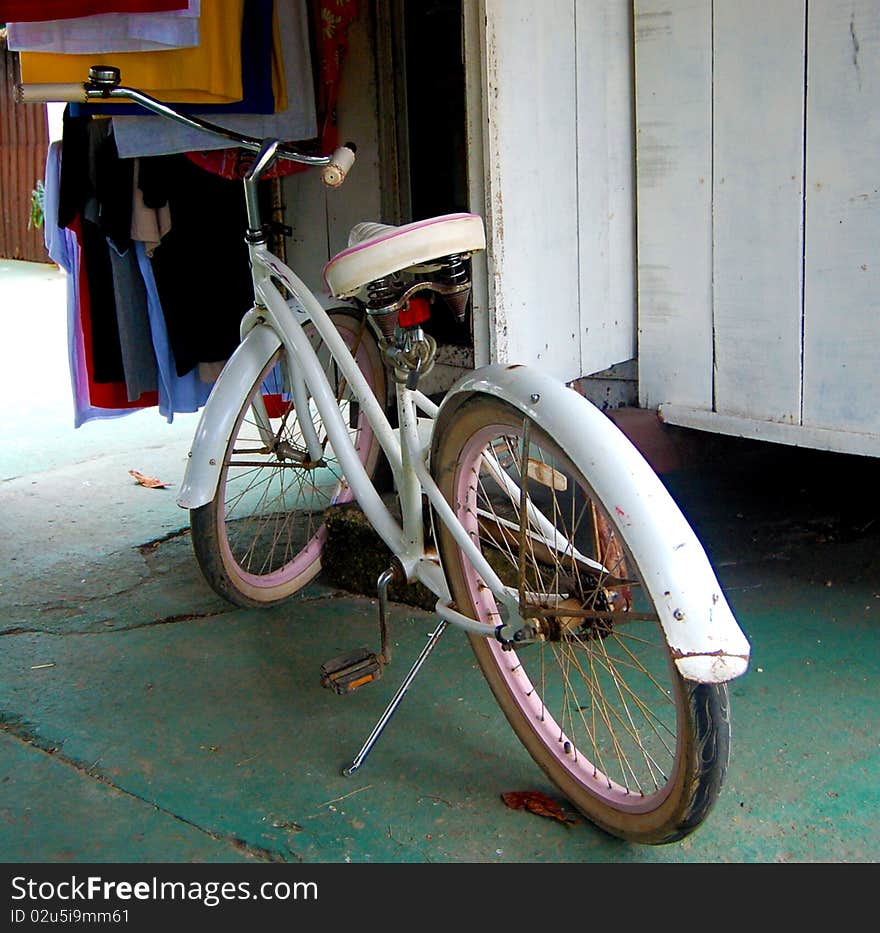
(144, 720)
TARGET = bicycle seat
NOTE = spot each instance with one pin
(376, 250)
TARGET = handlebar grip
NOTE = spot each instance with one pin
(46, 93)
(341, 162)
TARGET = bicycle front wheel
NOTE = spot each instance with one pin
(260, 539)
(593, 694)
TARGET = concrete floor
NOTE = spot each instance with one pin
(144, 720)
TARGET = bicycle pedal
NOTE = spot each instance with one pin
(347, 672)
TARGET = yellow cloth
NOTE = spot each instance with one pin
(279, 84)
(208, 73)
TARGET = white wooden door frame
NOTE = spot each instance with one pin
(549, 90)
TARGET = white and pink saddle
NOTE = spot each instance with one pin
(377, 250)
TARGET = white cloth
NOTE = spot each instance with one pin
(109, 32)
(154, 135)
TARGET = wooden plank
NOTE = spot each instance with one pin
(673, 69)
(842, 280)
(476, 129)
(605, 184)
(757, 190)
(530, 160)
(777, 432)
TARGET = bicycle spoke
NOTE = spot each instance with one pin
(565, 560)
(267, 534)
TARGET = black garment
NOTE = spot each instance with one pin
(88, 150)
(201, 266)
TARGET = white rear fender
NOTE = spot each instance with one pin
(700, 629)
(218, 416)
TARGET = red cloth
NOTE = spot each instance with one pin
(101, 394)
(32, 11)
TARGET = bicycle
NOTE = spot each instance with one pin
(544, 535)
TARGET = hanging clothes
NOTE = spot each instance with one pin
(201, 267)
(101, 394)
(151, 135)
(133, 323)
(330, 20)
(148, 225)
(334, 17)
(108, 32)
(209, 73)
(126, 339)
(177, 394)
(62, 245)
(158, 269)
(85, 159)
(262, 88)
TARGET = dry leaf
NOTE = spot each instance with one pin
(535, 802)
(148, 481)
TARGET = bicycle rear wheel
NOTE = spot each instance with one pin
(595, 697)
(260, 539)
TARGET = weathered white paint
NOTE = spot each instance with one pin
(758, 305)
(697, 622)
(673, 68)
(557, 151)
(531, 191)
(757, 187)
(550, 167)
(842, 293)
(474, 50)
(357, 121)
(605, 184)
(839, 441)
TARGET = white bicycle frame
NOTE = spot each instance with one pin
(704, 638)
(275, 321)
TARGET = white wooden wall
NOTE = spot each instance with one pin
(554, 134)
(842, 286)
(758, 166)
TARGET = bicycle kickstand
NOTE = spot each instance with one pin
(433, 638)
(348, 672)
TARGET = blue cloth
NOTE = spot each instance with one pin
(185, 393)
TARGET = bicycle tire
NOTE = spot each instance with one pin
(259, 540)
(598, 702)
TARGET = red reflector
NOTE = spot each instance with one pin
(416, 312)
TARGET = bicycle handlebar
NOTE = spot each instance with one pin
(49, 93)
(104, 84)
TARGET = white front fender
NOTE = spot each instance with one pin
(218, 416)
(704, 638)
